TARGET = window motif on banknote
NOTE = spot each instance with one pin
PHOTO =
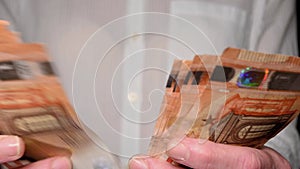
(38, 123)
(24, 70)
(8, 71)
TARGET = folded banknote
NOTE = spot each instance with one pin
(241, 98)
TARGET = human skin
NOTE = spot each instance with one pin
(208, 155)
(12, 148)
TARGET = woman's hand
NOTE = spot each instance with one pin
(12, 148)
(208, 155)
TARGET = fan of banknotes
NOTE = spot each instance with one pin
(241, 98)
(34, 106)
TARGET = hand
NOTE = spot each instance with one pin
(12, 148)
(208, 155)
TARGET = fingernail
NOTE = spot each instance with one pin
(10, 146)
(179, 152)
(61, 163)
(137, 163)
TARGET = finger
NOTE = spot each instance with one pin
(11, 148)
(204, 155)
(277, 159)
(51, 163)
(146, 162)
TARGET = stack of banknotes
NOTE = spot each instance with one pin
(241, 98)
(34, 106)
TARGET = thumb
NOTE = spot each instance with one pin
(11, 148)
(205, 154)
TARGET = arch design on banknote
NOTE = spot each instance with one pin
(247, 120)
